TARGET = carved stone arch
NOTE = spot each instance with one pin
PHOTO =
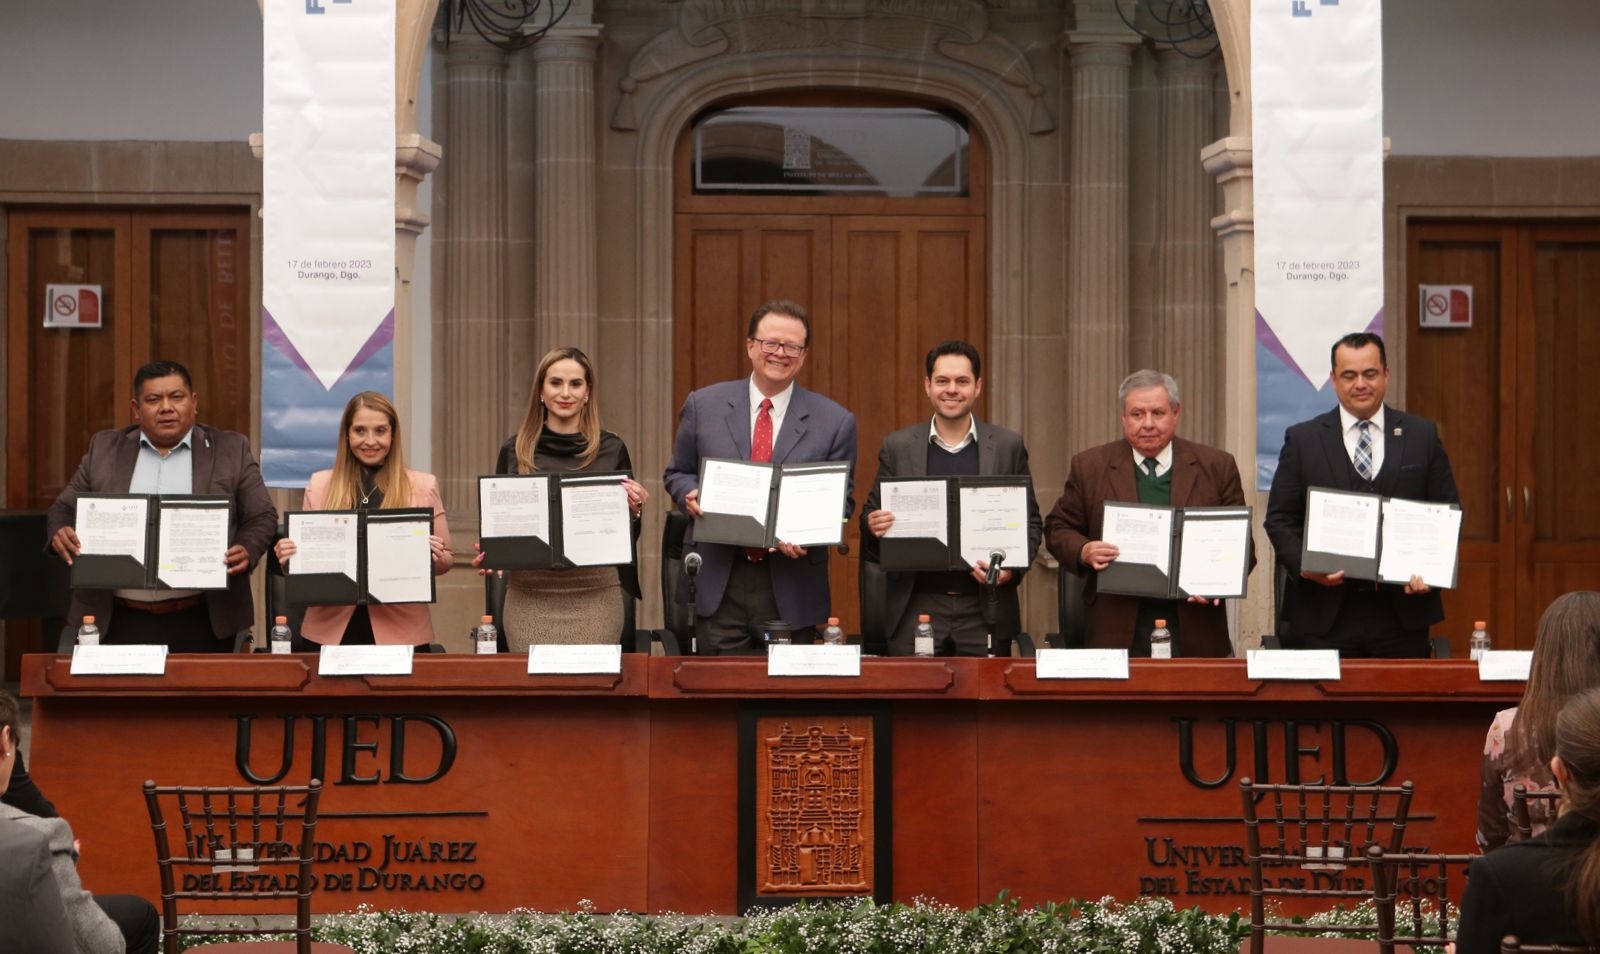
(667, 110)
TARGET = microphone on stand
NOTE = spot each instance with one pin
(997, 556)
(691, 566)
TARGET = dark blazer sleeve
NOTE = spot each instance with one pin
(24, 794)
(886, 470)
(258, 518)
(1068, 526)
(1441, 479)
(504, 461)
(843, 448)
(683, 470)
(1286, 503)
(1485, 915)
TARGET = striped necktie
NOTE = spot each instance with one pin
(1364, 450)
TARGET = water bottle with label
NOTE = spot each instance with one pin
(486, 639)
(88, 633)
(832, 635)
(922, 644)
(1161, 641)
(279, 640)
(1479, 643)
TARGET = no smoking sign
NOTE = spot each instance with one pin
(72, 306)
(1445, 306)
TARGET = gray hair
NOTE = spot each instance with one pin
(1146, 378)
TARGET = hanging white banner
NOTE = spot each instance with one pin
(328, 115)
(1317, 117)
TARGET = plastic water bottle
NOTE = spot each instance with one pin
(88, 633)
(922, 644)
(1479, 643)
(1161, 641)
(486, 639)
(832, 635)
(279, 640)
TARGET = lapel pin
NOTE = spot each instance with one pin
(1397, 432)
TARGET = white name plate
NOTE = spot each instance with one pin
(1505, 665)
(1292, 664)
(814, 661)
(574, 660)
(364, 661)
(1081, 664)
(137, 660)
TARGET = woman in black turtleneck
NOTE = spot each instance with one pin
(561, 432)
(370, 473)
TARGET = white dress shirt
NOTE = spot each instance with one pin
(969, 437)
(1163, 460)
(780, 407)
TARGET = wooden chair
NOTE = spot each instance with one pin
(1510, 945)
(1308, 837)
(1526, 806)
(1413, 881)
(235, 840)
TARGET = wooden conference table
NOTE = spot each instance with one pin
(703, 785)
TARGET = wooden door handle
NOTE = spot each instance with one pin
(1527, 502)
(1510, 513)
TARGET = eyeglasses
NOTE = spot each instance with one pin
(774, 347)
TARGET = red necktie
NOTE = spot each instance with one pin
(761, 453)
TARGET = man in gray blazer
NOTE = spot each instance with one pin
(30, 899)
(954, 443)
(166, 452)
(766, 416)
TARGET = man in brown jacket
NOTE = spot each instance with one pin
(166, 452)
(1152, 466)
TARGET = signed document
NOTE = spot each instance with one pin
(811, 505)
(1342, 524)
(112, 526)
(324, 543)
(596, 522)
(1419, 539)
(736, 488)
(920, 508)
(994, 518)
(399, 561)
(1140, 534)
(515, 506)
(193, 547)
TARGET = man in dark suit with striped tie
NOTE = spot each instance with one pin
(1362, 445)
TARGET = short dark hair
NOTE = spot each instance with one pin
(160, 369)
(11, 716)
(780, 306)
(1355, 341)
(955, 347)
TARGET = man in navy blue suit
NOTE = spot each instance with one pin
(1361, 445)
(763, 417)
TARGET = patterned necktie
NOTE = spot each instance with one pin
(761, 453)
(761, 440)
(1364, 450)
(1150, 464)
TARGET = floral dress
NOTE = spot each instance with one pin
(1495, 823)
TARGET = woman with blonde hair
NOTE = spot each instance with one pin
(1521, 740)
(561, 432)
(369, 473)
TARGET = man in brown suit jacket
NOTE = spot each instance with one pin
(1195, 476)
(165, 451)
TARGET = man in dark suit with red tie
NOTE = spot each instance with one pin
(1362, 445)
(765, 417)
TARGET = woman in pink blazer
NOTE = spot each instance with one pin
(369, 472)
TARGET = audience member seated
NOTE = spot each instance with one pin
(30, 899)
(109, 924)
(22, 793)
(1546, 890)
(1566, 661)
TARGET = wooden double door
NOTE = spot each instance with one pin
(174, 284)
(1511, 394)
(882, 287)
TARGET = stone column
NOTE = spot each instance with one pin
(470, 333)
(565, 249)
(1097, 231)
(1229, 162)
(1185, 285)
